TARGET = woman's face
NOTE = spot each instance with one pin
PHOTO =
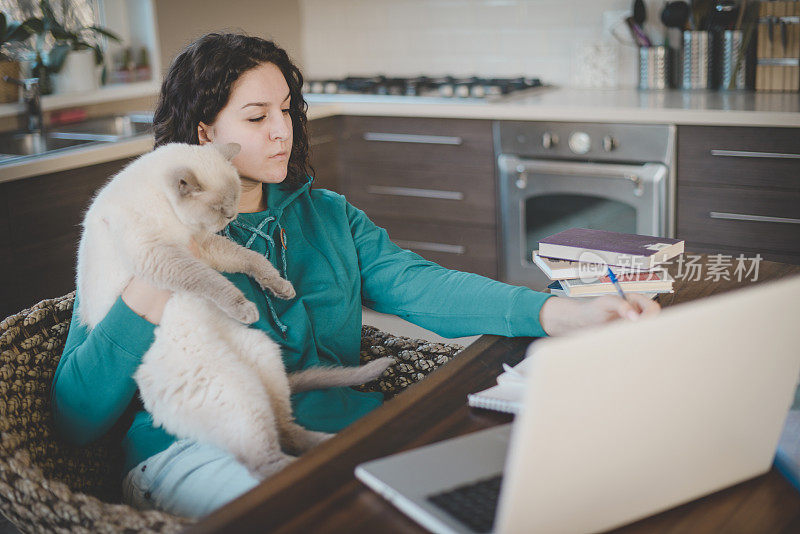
(257, 117)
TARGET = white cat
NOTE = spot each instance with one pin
(206, 376)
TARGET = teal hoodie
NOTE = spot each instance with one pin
(337, 260)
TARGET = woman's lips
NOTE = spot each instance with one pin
(280, 155)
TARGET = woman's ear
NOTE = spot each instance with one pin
(204, 133)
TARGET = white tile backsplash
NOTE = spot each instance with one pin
(540, 38)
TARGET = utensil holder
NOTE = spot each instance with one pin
(655, 67)
(734, 64)
(697, 69)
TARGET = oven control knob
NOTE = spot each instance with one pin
(580, 142)
(549, 140)
(522, 177)
(609, 143)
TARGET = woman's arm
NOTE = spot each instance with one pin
(450, 303)
(455, 304)
(93, 383)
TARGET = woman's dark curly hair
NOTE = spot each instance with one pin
(198, 85)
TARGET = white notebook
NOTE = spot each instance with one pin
(507, 395)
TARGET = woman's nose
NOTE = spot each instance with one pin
(279, 129)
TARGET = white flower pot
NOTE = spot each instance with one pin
(79, 73)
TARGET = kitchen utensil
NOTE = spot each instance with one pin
(675, 15)
(723, 15)
(637, 33)
(740, 16)
(639, 12)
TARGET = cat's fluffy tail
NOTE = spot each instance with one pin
(329, 377)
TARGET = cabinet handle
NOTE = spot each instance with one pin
(748, 154)
(413, 138)
(411, 192)
(433, 247)
(745, 217)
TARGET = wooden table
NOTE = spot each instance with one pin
(319, 492)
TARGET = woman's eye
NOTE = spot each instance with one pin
(256, 119)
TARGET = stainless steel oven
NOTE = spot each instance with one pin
(554, 176)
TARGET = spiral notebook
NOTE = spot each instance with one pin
(507, 395)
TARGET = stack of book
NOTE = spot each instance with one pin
(578, 260)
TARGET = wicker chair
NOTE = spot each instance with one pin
(47, 485)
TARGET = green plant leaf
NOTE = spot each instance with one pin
(98, 55)
(62, 34)
(103, 31)
(17, 31)
(34, 25)
(56, 57)
(47, 11)
(2, 27)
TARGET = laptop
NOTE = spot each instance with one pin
(618, 423)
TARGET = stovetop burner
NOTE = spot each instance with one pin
(443, 86)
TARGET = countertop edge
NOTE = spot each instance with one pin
(74, 158)
(524, 112)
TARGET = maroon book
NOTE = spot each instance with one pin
(613, 248)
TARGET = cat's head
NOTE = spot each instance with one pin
(203, 186)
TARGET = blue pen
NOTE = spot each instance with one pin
(616, 284)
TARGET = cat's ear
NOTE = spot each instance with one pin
(185, 181)
(229, 150)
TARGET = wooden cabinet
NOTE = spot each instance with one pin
(324, 139)
(429, 182)
(39, 232)
(739, 191)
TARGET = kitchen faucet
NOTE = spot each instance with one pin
(33, 103)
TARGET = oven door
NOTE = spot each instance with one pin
(539, 198)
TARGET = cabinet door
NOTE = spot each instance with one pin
(759, 220)
(429, 182)
(44, 214)
(739, 156)
(454, 246)
(738, 191)
(324, 135)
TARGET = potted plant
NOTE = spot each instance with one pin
(72, 63)
(10, 31)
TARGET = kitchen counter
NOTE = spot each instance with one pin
(544, 104)
(587, 105)
(75, 157)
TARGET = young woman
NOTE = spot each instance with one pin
(234, 88)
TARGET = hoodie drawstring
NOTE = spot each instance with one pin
(258, 231)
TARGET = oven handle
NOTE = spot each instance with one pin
(563, 168)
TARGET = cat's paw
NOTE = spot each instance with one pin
(281, 288)
(243, 311)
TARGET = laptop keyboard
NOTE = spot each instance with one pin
(473, 504)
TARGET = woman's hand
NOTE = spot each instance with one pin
(561, 315)
(147, 300)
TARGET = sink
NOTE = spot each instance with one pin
(112, 128)
(103, 129)
(30, 144)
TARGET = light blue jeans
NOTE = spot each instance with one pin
(188, 479)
